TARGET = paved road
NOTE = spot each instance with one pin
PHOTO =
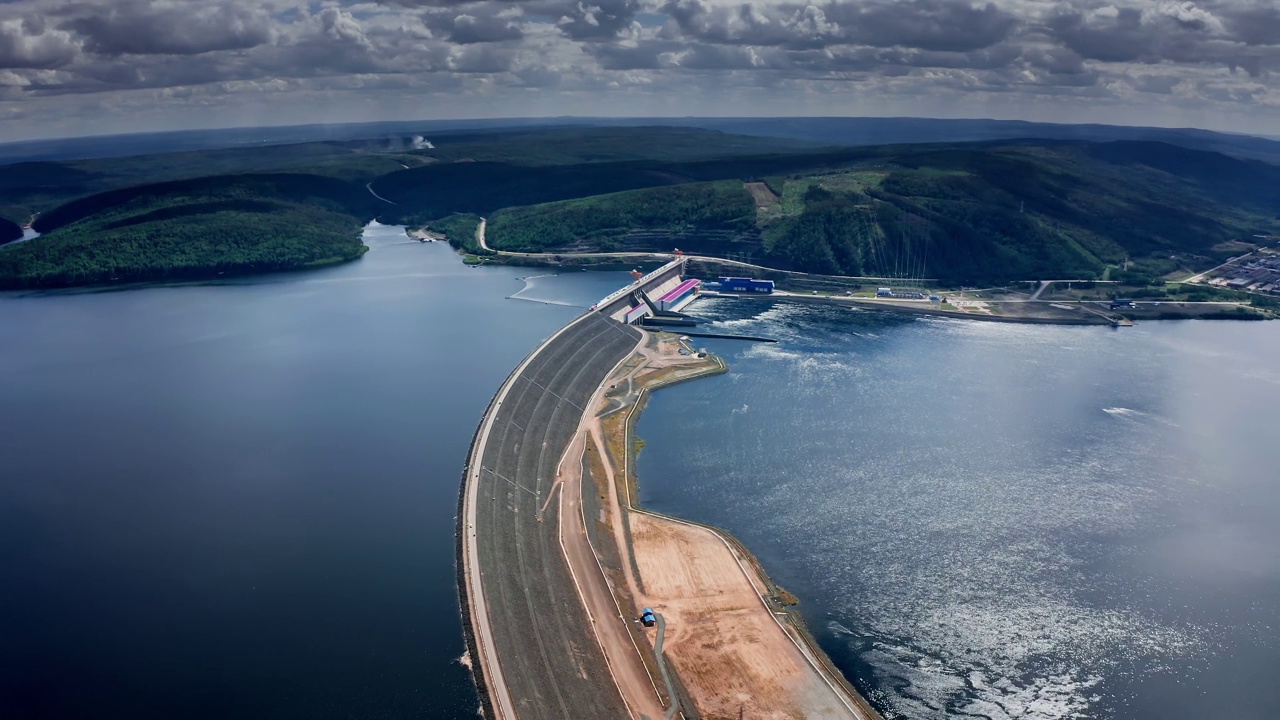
(369, 186)
(480, 240)
(662, 667)
(540, 657)
(609, 620)
(1200, 276)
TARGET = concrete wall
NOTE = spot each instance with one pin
(656, 284)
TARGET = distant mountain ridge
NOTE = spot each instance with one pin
(965, 212)
(847, 131)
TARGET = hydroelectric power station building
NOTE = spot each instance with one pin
(745, 285)
(679, 296)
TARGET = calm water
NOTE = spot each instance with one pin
(1000, 521)
(237, 500)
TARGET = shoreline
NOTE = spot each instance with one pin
(809, 681)
(495, 651)
(1173, 309)
(776, 600)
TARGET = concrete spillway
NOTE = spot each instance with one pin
(622, 306)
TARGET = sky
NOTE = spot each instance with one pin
(89, 67)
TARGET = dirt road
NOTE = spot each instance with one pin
(638, 689)
(723, 639)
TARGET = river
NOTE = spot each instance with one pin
(237, 499)
(999, 521)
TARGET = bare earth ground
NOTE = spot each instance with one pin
(723, 641)
(761, 193)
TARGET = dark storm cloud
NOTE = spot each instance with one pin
(140, 27)
(177, 51)
(441, 3)
(945, 25)
(1178, 32)
(1114, 38)
(478, 25)
(926, 24)
(577, 19)
(29, 43)
(1257, 25)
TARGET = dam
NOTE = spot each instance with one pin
(531, 637)
(547, 633)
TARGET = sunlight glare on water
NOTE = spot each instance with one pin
(998, 521)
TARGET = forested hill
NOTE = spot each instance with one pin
(9, 231)
(192, 229)
(959, 212)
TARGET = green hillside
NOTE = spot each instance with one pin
(9, 231)
(600, 221)
(191, 229)
(37, 187)
(960, 213)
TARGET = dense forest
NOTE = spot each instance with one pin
(431, 191)
(191, 229)
(960, 212)
(460, 230)
(9, 231)
(966, 213)
(601, 220)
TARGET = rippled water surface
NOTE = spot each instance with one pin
(237, 500)
(1000, 521)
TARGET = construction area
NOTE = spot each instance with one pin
(732, 645)
(580, 604)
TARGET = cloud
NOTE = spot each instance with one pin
(147, 28)
(481, 24)
(29, 43)
(591, 19)
(602, 56)
(1254, 25)
(945, 25)
(1177, 32)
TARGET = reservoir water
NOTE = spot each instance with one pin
(237, 499)
(999, 521)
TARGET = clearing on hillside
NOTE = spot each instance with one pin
(764, 197)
